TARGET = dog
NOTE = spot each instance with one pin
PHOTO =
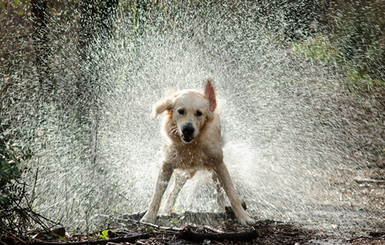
(192, 132)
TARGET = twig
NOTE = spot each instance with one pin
(34, 184)
(13, 236)
(54, 223)
(212, 229)
(33, 216)
(372, 181)
(165, 228)
(112, 240)
(243, 236)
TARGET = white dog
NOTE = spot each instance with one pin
(192, 131)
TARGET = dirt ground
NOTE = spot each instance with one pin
(226, 231)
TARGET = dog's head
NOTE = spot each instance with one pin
(188, 111)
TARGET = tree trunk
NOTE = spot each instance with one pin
(40, 18)
(96, 23)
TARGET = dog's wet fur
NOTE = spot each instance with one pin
(192, 131)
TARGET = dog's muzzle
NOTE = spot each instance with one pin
(187, 133)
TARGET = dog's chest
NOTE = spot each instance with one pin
(189, 158)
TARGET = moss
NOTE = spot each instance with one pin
(361, 80)
(320, 48)
(317, 48)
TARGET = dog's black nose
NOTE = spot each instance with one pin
(188, 129)
(188, 132)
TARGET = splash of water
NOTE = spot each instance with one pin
(287, 124)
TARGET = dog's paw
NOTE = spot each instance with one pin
(148, 219)
(247, 221)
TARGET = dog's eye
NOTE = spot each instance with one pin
(198, 113)
(181, 112)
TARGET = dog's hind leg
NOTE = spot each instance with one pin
(180, 180)
(161, 185)
(220, 194)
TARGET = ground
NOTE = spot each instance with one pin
(227, 231)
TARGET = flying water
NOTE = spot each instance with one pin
(289, 127)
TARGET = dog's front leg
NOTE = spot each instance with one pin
(224, 178)
(161, 185)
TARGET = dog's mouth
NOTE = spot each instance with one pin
(187, 133)
(187, 138)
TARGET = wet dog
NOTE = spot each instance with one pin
(192, 131)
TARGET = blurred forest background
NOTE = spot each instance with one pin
(346, 34)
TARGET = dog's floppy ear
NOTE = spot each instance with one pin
(161, 106)
(210, 95)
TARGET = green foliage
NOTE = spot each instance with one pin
(318, 48)
(12, 217)
(20, 7)
(355, 43)
(149, 229)
(9, 170)
(359, 34)
(174, 221)
(363, 81)
(321, 48)
(104, 235)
